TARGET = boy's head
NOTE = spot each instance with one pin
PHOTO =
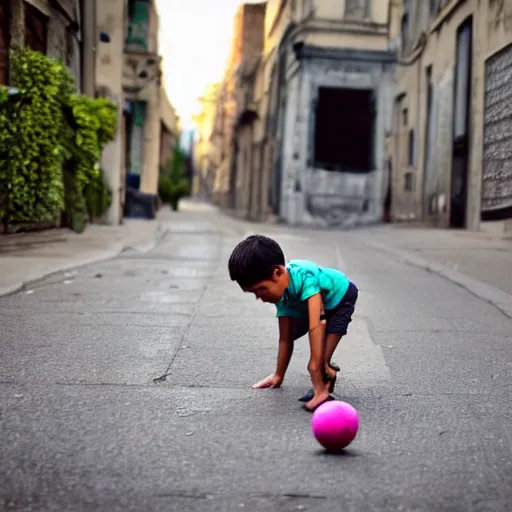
(257, 264)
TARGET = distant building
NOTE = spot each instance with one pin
(312, 109)
(244, 49)
(204, 162)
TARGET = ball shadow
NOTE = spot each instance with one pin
(342, 454)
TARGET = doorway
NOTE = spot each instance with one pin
(344, 130)
(461, 123)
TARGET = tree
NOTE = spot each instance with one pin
(173, 185)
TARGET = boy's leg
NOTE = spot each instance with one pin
(331, 342)
(338, 322)
(308, 395)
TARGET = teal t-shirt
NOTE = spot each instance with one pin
(307, 279)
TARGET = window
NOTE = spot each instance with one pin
(357, 9)
(408, 182)
(70, 45)
(435, 6)
(405, 117)
(344, 130)
(36, 29)
(429, 124)
(138, 25)
(412, 148)
(462, 79)
(404, 26)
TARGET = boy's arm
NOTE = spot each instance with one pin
(285, 350)
(316, 342)
(284, 355)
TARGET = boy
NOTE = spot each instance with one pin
(308, 298)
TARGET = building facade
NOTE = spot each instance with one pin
(128, 71)
(246, 33)
(110, 20)
(203, 157)
(141, 78)
(330, 84)
(314, 106)
(451, 149)
(51, 27)
(169, 130)
(110, 46)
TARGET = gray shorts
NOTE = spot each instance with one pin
(337, 319)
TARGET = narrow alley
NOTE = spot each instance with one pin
(127, 386)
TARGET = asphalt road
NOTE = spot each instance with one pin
(84, 426)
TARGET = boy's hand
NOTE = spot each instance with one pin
(272, 381)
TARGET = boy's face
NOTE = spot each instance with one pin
(271, 290)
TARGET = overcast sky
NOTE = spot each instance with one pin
(195, 36)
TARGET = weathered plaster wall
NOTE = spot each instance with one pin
(109, 61)
(315, 196)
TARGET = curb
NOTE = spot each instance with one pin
(486, 292)
(105, 256)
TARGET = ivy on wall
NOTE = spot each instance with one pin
(51, 141)
(30, 150)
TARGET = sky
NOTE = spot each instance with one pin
(195, 36)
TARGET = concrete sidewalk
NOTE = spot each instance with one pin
(479, 262)
(29, 257)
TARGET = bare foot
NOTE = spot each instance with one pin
(318, 398)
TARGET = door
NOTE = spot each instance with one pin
(461, 123)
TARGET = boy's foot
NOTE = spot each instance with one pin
(306, 397)
(313, 407)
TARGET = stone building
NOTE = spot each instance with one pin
(204, 161)
(244, 50)
(314, 111)
(128, 70)
(141, 79)
(169, 129)
(111, 48)
(109, 19)
(51, 27)
(451, 150)
(331, 85)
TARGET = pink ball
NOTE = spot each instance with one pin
(335, 425)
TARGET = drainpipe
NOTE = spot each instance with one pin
(89, 41)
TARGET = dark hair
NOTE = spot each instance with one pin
(254, 259)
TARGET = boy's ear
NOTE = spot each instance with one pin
(278, 272)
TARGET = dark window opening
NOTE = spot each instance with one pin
(404, 31)
(405, 117)
(412, 148)
(435, 6)
(36, 29)
(70, 46)
(408, 182)
(344, 130)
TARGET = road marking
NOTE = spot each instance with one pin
(359, 358)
